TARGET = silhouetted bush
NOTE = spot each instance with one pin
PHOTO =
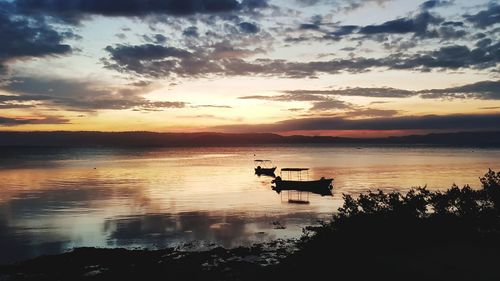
(491, 185)
(393, 235)
(421, 203)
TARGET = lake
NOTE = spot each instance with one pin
(52, 200)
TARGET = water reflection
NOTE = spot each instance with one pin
(53, 200)
(161, 230)
(265, 174)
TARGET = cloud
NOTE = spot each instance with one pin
(422, 25)
(371, 112)
(78, 95)
(319, 102)
(307, 26)
(329, 104)
(483, 90)
(341, 31)
(159, 61)
(447, 57)
(191, 31)
(248, 27)
(417, 25)
(10, 121)
(150, 59)
(22, 38)
(487, 17)
(358, 91)
(255, 4)
(215, 55)
(435, 4)
(426, 122)
(287, 97)
(211, 106)
(74, 11)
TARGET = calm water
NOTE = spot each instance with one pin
(52, 200)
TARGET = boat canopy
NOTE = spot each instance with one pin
(294, 169)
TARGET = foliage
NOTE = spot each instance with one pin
(422, 203)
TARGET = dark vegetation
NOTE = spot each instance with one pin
(421, 235)
(147, 139)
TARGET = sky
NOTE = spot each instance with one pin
(359, 68)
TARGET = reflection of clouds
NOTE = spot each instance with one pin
(81, 195)
(48, 221)
(16, 244)
(167, 229)
(52, 221)
(227, 230)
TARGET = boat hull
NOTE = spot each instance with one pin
(322, 183)
(321, 186)
(265, 171)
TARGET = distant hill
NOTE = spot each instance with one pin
(91, 139)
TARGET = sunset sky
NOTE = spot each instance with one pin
(315, 67)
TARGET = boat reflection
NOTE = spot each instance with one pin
(319, 191)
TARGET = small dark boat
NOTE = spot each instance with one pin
(323, 186)
(264, 167)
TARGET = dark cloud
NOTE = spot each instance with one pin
(422, 25)
(74, 11)
(484, 90)
(487, 17)
(350, 5)
(427, 122)
(160, 61)
(160, 38)
(453, 23)
(9, 121)
(483, 43)
(191, 31)
(122, 53)
(435, 4)
(255, 4)
(330, 104)
(371, 112)
(248, 27)
(164, 61)
(447, 33)
(417, 25)
(312, 26)
(363, 92)
(78, 95)
(22, 38)
(308, 2)
(343, 30)
(452, 57)
(149, 59)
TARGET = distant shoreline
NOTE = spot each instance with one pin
(152, 139)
